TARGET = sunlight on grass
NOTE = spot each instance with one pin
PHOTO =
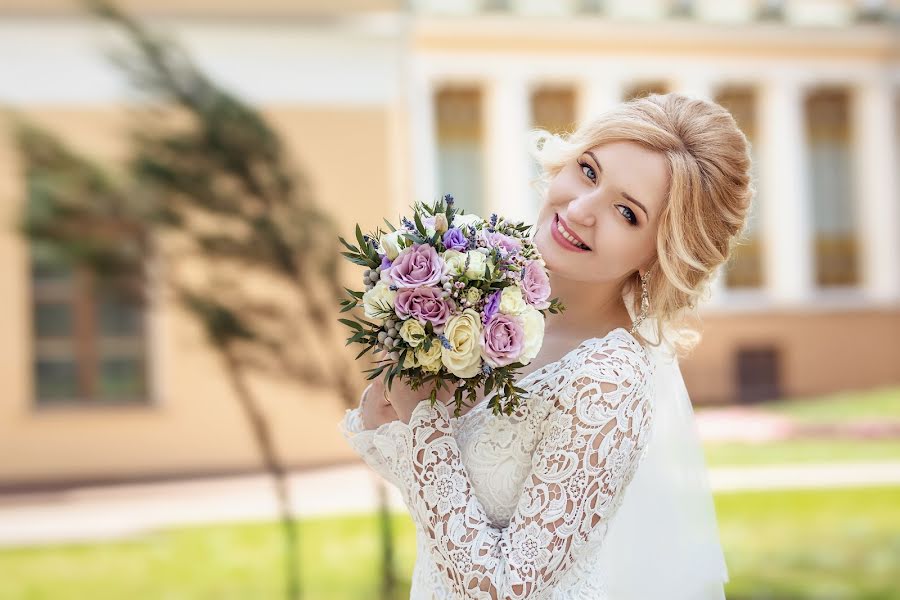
(876, 404)
(797, 544)
(800, 451)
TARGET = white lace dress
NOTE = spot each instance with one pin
(517, 506)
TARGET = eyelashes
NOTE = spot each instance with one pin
(630, 217)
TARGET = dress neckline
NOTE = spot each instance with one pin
(520, 382)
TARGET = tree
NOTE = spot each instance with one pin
(208, 181)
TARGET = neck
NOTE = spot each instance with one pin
(591, 307)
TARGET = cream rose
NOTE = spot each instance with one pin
(429, 360)
(464, 334)
(466, 220)
(391, 244)
(477, 265)
(412, 332)
(378, 303)
(409, 360)
(455, 261)
(533, 326)
(440, 223)
(511, 301)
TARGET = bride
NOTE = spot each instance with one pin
(595, 488)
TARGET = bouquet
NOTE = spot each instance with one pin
(451, 299)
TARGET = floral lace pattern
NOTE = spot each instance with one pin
(516, 506)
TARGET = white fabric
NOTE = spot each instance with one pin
(664, 541)
(543, 503)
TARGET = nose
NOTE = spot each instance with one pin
(582, 209)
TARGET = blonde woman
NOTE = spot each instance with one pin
(595, 488)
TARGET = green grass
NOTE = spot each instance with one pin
(794, 545)
(812, 544)
(726, 454)
(880, 404)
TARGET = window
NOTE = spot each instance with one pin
(828, 139)
(89, 338)
(759, 378)
(460, 146)
(744, 268)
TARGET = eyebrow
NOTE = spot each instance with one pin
(624, 194)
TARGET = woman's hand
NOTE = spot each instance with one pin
(404, 399)
(374, 409)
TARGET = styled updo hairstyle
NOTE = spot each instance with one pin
(706, 208)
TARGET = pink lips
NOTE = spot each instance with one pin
(563, 241)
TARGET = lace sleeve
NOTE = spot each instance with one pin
(593, 438)
(362, 441)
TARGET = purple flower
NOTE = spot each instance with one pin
(500, 240)
(416, 266)
(491, 306)
(385, 263)
(502, 340)
(426, 304)
(454, 239)
(536, 285)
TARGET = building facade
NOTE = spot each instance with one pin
(381, 103)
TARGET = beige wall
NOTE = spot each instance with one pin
(820, 351)
(195, 424)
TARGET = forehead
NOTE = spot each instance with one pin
(636, 170)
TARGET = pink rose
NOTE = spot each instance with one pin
(500, 240)
(423, 304)
(502, 340)
(536, 285)
(418, 265)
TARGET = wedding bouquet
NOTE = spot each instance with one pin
(453, 299)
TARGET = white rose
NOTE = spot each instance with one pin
(477, 265)
(511, 301)
(466, 220)
(455, 262)
(464, 334)
(533, 326)
(378, 303)
(430, 360)
(391, 243)
(412, 332)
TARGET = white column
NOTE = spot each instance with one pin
(786, 220)
(695, 86)
(423, 140)
(506, 168)
(597, 96)
(875, 189)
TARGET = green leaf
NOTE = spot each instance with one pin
(352, 324)
(364, 350)
(391, 227)
(349, 246)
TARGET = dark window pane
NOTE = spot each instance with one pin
(121, 377)
(47, 265)
(57, 379)
(53, 319)
(119, 317)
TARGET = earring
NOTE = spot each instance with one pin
(645, 301)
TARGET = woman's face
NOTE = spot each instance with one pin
(600, 198)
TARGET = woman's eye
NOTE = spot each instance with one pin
(632, 218)
(585, 168)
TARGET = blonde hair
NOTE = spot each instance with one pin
(706, 206)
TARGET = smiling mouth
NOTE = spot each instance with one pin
(568, 236)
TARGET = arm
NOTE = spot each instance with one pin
(593, 439)
(362, 440)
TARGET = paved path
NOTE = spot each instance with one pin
(113, 512)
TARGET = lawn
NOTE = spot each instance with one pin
(877, 405)
(734, 454)
(798, 544)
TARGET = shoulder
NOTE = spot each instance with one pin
(612, 369)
